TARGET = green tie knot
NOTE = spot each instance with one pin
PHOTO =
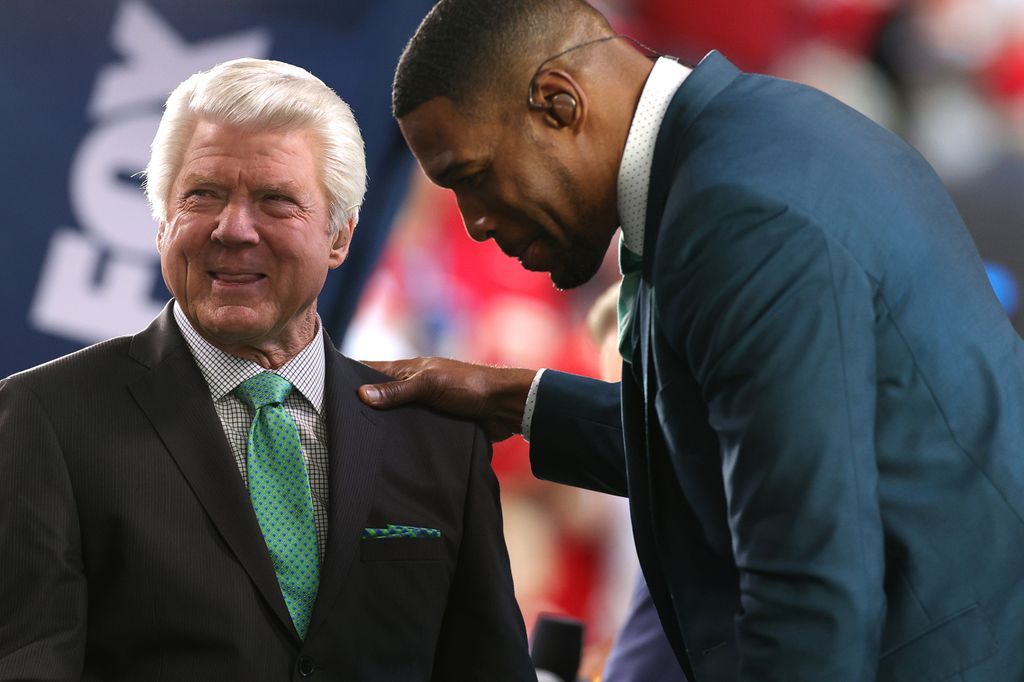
(264, 389)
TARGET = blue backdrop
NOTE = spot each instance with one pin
(84, 84)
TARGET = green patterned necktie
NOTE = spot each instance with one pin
(631, 266)
(279, 489)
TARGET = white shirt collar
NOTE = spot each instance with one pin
(223, 371)
(635, 169)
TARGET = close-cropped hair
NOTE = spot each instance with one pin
(261, 94)
(465, 48)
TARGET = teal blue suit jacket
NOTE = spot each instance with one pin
(821, 426)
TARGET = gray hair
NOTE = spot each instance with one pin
(262, 94)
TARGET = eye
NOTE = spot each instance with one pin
(473, 180)
(197, 198)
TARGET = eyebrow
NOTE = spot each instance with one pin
(285, 187)
(199, 180)
(279, 188)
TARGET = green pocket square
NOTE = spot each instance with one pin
(395, 531)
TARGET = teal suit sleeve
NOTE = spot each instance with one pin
(775, 320)
(576, 435)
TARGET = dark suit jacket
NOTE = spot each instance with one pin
(130, 550)
(824, 410)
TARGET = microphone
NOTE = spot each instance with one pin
(557, 648)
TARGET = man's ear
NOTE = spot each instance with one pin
(340, 243)
(555, 95)
(160, 233)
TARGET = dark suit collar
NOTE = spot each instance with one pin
(356, 440)
(159, 341)
(712, 75)
(176, 399)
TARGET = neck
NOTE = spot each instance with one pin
(618, 80)
(267, 358)
(269, 351)
(634, 70)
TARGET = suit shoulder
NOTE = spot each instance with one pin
(432, 424)
(98, 361)
(773, 132)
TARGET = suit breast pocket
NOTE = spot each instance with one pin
(401, 549)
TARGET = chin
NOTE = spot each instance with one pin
(229, 324)
(575, 273)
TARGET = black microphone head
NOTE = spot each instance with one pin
(557, 646)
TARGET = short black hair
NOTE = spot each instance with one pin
(464, 47)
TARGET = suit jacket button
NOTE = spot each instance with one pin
(307, 666)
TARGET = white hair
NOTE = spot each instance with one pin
(262, 94)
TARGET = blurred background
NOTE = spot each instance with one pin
(83, 86)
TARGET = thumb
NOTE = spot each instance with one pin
(386, 395)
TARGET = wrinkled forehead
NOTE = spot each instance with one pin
(272, 157)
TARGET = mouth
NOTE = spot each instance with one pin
(522, 251)
(235, 278)
(534, 255)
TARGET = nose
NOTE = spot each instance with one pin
(236, 225)
(480, 225)
(481, 229)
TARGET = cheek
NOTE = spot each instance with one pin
(178, 238)
(178, 247)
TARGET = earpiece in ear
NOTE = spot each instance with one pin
(562, 108)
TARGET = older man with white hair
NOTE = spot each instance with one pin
(208, 499)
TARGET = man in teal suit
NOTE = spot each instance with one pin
(821, 421)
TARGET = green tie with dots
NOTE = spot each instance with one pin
(279, 489)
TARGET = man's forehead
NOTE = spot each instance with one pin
(211, 135)
(443, 138)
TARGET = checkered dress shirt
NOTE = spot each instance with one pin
(223, 372)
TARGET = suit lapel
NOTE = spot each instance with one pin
(355, 443)
(648, 462)
(710, 77)
(177, 402)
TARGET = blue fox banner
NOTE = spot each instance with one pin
(84, 84)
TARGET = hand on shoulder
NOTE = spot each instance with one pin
(494, 396)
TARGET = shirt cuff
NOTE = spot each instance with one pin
(531, 403)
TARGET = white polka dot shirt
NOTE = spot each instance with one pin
(634, 172)
(635, 169)
(223, 372)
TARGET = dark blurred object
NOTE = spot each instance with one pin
(557, 646)
(642, 652)
(990, 205)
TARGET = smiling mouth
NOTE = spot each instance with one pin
(236, 277)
